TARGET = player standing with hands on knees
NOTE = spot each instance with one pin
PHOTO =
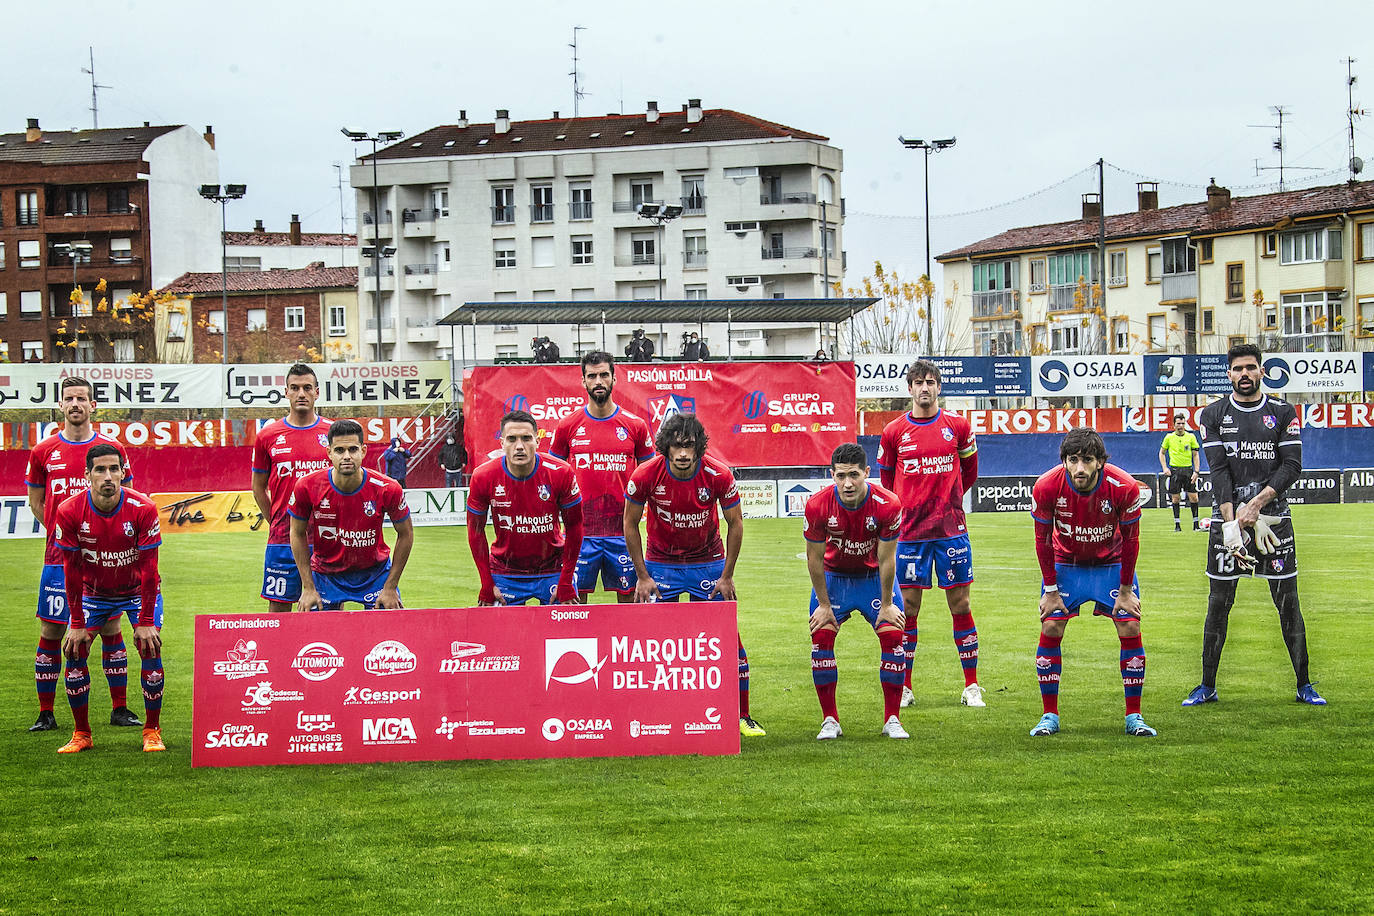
(340, 513)
(681, 487)
(1253, 445)
(851, 548)
(1087, 539)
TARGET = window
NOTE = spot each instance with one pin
(1364, 242)
(1235, 281)
(1208, 322)
(214, 321)
(176, 326)
(697, 292)
(644, 292)
(1365, 313)
(541, 203)
(504, 252)
(544, 295)
(443, 255)
(4, 306)
(117, 200)
(1116, 268)
(29, 253)
(1179, 257)
(78, 202)
(580, 200)
(582, 249)
(1064, 337)
(1310, 245)
(242, 265)
(541, 251)
(31, 304)
(583, 294)
(826, 192)
(123, 349)
(1271, 318)
(4, 351)
(1153, 265)
(1205, 251)
(1037, 275)
(1270, 244)
(642, 249)
(119, 298)
(1036, 335)
(294, 318)
(694, 194)
(1159, 332)
(2, 255)
(1312, 322)
(83, 351)
(694, 249)
(438, 201)
(828, 246)
(26, 210)
(1121, 335)
(507, 351)
(742, 226)
(641, 192)
(257, 320)
(741, 172)
(338, 321)
(121, 250)
(997, 338)
(503, 204)
(992, 275)
(505, 295)
(1065, 269)
(33, 351)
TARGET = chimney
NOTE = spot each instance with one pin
(1218, 198)
(503, 120)
(259, 227)
(693, 111)
(651, 115)
(555, 116)
(315, 265)
(147, 123)
(1147, 195)
(33, 134)
(462, 117)
(1092, 206)
(294, 233)
(210, 135)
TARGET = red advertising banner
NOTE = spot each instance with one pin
(466, 683)
(757, 414)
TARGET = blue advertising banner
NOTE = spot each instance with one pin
(983, 376)
(1188, 373)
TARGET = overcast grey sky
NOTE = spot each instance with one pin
(1035, 92)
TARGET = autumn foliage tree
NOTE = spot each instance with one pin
(896, 323)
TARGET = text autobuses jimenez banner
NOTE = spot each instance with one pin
(883, 376)
(215, 386)
(757, 414)
(466, 683)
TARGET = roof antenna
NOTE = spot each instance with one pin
(95, 105)
(576, 74)
(1356, 163)
(1279, 111)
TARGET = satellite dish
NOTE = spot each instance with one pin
(1356, 165)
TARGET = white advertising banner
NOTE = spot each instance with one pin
(758, 498)
(16, 521)
(882, 375)
(793, 494)
(1075, 376)
(1285, 372)
(437, 506)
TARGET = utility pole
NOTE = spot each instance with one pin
(338, 168)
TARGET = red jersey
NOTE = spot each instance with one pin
(110, 545)
(287, 454)
(931, 463)
(346, 528)
(57, 466)
(851, 535)
(1087, 526)
(526, 513)
(683, 526)
(603, 453)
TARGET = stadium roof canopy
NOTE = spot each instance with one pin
(645, 311)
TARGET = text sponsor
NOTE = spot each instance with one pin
(241, 661)
(317, 661)
(472, 658)
(367, 696)
(476, 728)
(709, 722)
(579, 729)
(389, 657)
(671, 660)
(259, 698)
(235, 735)
(389, 730)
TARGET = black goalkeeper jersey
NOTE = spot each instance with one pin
(1249, 447)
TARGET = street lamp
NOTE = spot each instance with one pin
(77, 252)
(661, 215)
(231, 192)
(929, 146)
(384, 136)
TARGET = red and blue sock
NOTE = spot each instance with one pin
(743, 682)
(1048, 665)
(114, 658)
(151, 677)
(966, 641)
(891, 669)
(78, 683)
(909, 649)
(1132, 671)
(47, 668)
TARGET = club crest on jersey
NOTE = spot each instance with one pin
(621, 434)
(948, 434)
(703, 494)
(1278, 566)
(1269, 421)
(833, 522)
(128, 529)
(544, 491)
(1106, 507)
(323, 440)
(369, 508)
(871, 524)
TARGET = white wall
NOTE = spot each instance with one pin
(184, 227)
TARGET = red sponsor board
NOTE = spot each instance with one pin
(466, 683)
(757, 414)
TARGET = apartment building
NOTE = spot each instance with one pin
(289, 250)
(76, 207)
(1293, 270)
(551, 210)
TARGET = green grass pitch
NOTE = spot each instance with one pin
(1255, 804)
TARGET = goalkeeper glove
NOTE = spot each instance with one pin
(1266, 541)
(1233, 539)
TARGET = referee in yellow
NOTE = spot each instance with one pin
(1178, 458)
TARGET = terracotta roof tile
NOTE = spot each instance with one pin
(274, 239)
(107, 144)
(261, 281)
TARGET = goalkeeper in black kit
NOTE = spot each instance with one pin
(1253, 445)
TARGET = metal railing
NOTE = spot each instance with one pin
(368, 219)
(580, 209)
(632, 206)
(1312, 343)
(694, 205)
(774, 253)
(1063, 297)
(419, 216)
(636, 260)
(994, 302)
(420, 322)
(371, 271)
(501, 215)
(787, 197)
(387, 324)
(421, 269)
(541, 213)
(55, 211)
(694, 258)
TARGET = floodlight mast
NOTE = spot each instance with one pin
(385, 136)
(928, 147)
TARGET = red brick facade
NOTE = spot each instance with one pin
(275, 344)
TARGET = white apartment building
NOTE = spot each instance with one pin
(549, 210)
(289, 250)
(1293, 271)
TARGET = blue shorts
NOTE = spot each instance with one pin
(362, 586)
(52, 595)
(1080, 584)
(855, 593)
(696, 580)
(281, 580)
(99, 610)
(519, 589)
(608, 557)
(951, 557)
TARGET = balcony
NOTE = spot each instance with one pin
(502, 216)
(694, 260)
(632, 206)
(422, 330)
(580, 209)
(121, 219)
(541, 213)
(637, 260)
(421, 276)
(992, 303)
(377, 228)
(418, 224)
(1178, 287)
(1311, 343)
(777, 254)
(1064, 297)
(388, 331)
(781, 198)
(694, 205)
